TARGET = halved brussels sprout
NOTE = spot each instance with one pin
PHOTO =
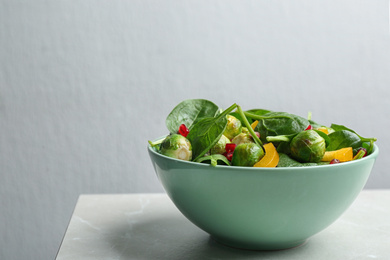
(242, 138)
(219, 147)
(233, 128)
(176, 146)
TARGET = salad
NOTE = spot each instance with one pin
(202, 132)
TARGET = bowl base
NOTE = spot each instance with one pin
(260, 246)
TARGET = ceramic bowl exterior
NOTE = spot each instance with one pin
(262, 208)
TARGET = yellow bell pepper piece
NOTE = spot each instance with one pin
(254, 124)
(323, 129)
(343, 155)
(271, 157)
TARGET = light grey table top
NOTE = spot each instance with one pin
(148, 226)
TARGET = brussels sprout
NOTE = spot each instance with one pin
(244, 130)
(242, 138)
(233, 128)
(176, 146)
(219, 147)
(308, 146)
(247, 154)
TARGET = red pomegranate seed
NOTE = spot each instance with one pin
(309, 128)
(334, 161)
(228, 156)
(183, 130)
(230, 147)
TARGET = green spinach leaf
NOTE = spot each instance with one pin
(214, 160)
(369, 146)
(278, 123)
(206, 133)
(286, 161)
(341, 127)
(258, 111)
(343, 138)
(189, 112)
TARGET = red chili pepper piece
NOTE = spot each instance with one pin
(230, 147)
(334, 161)
(183, 130)
(309, 128)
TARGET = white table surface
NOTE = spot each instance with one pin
(148, 226)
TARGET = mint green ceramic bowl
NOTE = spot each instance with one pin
(262, 208)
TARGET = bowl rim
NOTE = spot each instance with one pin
(373, 155)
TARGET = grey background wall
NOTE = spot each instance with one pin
(85, 84)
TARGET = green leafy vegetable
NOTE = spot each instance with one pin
(343, 138)
(341, 127)
(369, 146)
(258, 111)
(287, 161)
(206, 133)
(214, 160)
(278, 123)
(189, 112)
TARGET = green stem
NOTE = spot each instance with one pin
(213, 162)
(359, 155)
(227, 110)
(367, 139)
(246, 123)
(371, 147)
(156, 143)
(278, 138)
(309, 115)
